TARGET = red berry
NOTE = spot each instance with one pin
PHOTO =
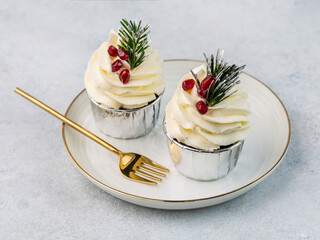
(202, 92)
(188, 84)
(123, 54)
(113, 51)
(202, 107)
(116, 65)
(207, 81)
(124, 76)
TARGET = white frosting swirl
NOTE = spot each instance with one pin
(225, 123)
(105, 88)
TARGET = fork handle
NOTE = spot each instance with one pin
(67, 121)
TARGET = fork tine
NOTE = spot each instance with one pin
(137, 178)
(155, 165)
(151, 171)
(148, 175)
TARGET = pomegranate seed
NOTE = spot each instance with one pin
(202, 107)
(116, 65)
(124, 76)
(113, 51)
(207, 81)
(202, 92)
(188, 84)
(123, 54)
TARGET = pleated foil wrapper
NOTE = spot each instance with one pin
(126, 124)
(200, 164)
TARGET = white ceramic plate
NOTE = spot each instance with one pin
(262, 152)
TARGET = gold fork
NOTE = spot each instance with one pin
(130, 164)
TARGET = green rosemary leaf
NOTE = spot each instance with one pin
(195, 77)
(139, 24)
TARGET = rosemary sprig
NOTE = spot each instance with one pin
(226, 77)
(134, 40)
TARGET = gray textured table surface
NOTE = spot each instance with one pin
(44, 49)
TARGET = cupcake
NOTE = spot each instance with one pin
(124, 82)
(206, 120)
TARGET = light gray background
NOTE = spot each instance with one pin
(44, 49)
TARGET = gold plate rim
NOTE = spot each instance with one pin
(190, 200)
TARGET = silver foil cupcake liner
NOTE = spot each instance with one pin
(203, 165)
(126, 124)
